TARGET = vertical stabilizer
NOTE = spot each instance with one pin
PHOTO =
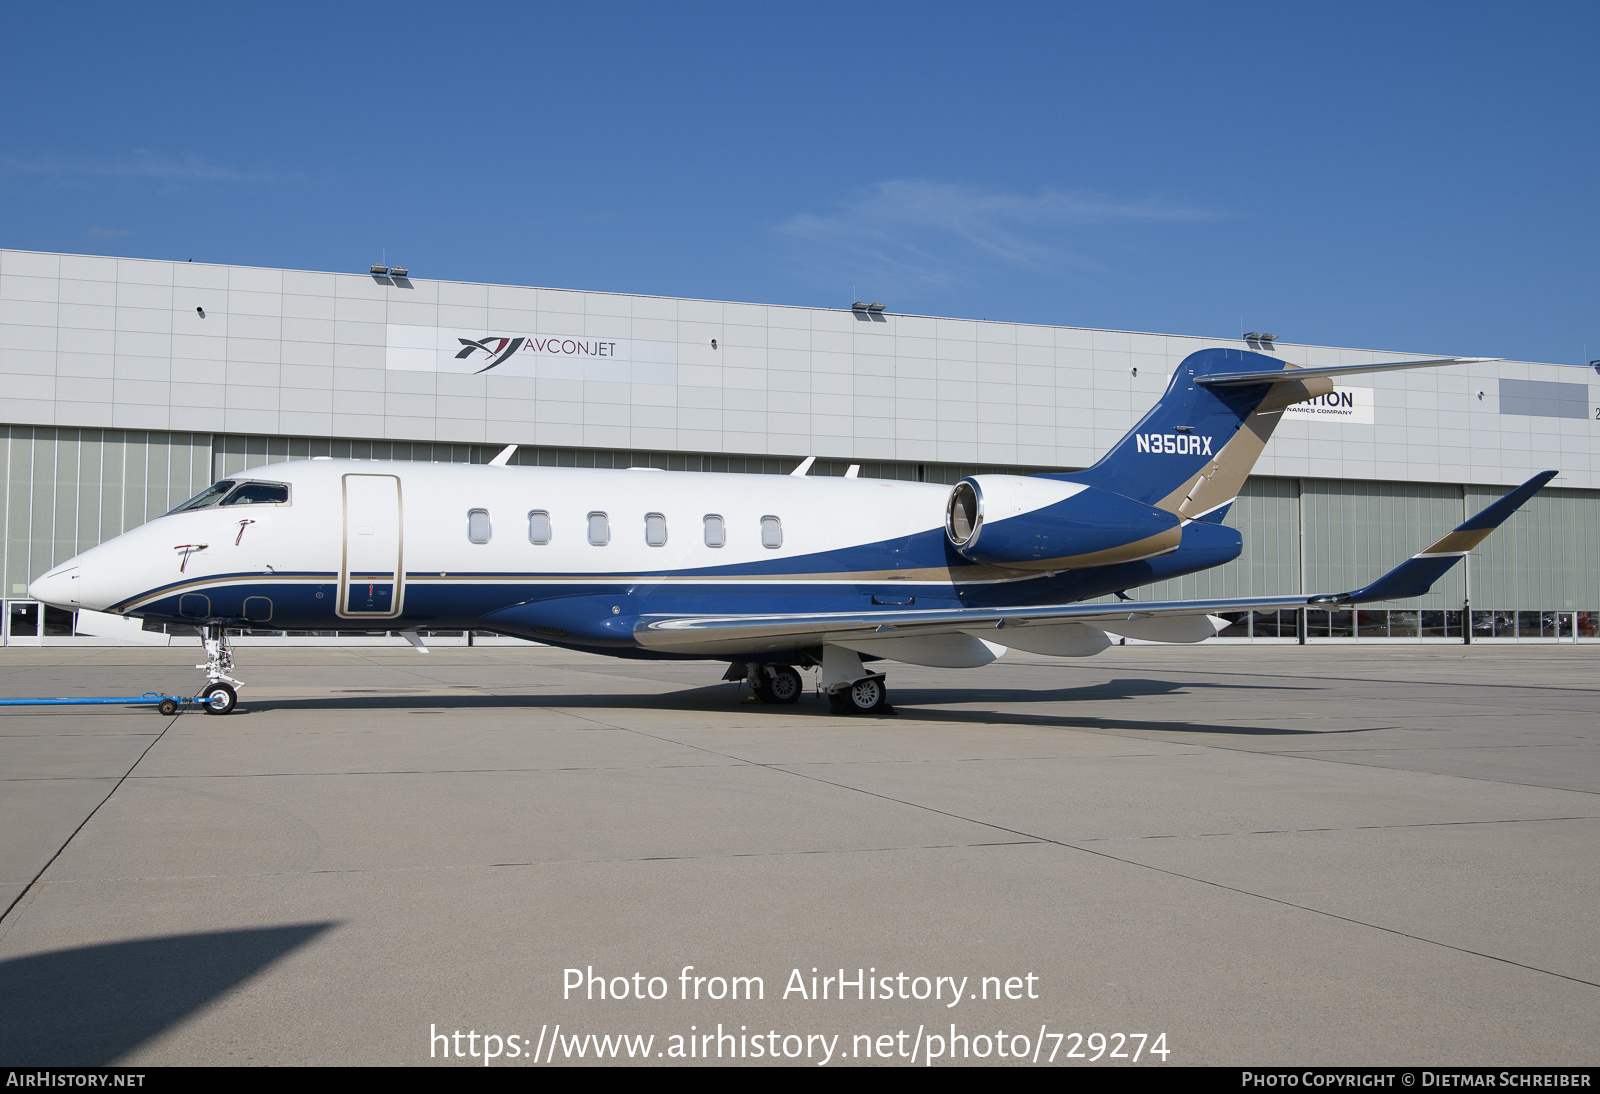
(1191, 454)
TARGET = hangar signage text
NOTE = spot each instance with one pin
(547, 356)
(1343, 405)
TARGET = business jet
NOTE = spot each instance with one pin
(771, 574)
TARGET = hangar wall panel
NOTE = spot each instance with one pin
(1543, 558)
(227, 349)
(69, 489)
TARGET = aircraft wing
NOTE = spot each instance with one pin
(708, 634)
(713, 634)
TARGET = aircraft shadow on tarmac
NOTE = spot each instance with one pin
(924, 704)
(92, 1005)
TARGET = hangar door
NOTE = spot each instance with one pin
(372, 574)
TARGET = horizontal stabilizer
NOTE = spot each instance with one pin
(1260, 376)
(1416, 575)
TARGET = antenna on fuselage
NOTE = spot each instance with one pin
(505, 456)
(805, 466)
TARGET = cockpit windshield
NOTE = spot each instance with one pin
(259, 493)
(242, 493)
(206, 497)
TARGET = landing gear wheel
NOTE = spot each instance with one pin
(219, 699)
(866, 696)
(784, 686)
(168, 707)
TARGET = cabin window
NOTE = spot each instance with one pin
(259, 493)
(715, 535)
(655, 530)
(599, 529)
(539, 527)
(478, 530)
(771, 532)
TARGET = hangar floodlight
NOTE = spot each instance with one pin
(874, 306)
(859, 305)
(1252, 336)
(379, 270)
(398, 271)
(1267, 336)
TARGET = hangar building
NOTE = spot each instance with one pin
(128, 385)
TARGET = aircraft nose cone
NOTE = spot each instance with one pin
(58, 588)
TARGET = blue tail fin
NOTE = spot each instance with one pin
(1191, 454)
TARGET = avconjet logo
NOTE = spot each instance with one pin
(500, 347)
(1184, 444)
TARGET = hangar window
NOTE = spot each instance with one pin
(206, 497)
(715, 534)
(478, 530)
(771, 532)
(655, 530)
(539, 527)
(599, 529)
(259, 493)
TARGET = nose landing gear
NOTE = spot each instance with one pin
(220, 695)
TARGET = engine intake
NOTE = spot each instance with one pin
(1038, 524)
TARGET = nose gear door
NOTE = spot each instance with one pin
(372, 574)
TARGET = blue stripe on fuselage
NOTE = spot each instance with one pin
(308, 601)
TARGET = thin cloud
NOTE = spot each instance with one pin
(936, 233)
(184, 167)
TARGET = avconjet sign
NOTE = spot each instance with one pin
(516, 353)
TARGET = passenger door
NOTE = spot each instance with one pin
(371, 573)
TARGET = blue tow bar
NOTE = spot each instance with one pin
(167, 704)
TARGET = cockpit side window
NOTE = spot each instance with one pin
(259, 493)
(206, 497)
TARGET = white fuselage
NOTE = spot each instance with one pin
(469, 528)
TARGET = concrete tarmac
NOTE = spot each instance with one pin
(1270, 855)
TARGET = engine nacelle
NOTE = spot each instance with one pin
(1038, 524)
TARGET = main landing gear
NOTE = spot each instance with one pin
(850, 688)
(221, 694)
(771, 683)
(866, 696)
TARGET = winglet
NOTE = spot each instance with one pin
(1416, 575)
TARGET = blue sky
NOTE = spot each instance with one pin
(1414, 177)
